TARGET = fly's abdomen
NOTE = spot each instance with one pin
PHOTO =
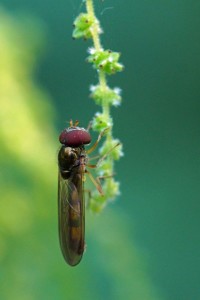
(71, 219)
(75, 227)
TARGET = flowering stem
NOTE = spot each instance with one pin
(86, 26)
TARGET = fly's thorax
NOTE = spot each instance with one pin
(69, 159)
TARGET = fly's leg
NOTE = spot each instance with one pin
(97, 141)
(96, 182)
(101, 158)
(89, 126)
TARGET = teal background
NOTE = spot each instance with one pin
(145, 245)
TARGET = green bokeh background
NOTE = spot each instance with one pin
(146, 245)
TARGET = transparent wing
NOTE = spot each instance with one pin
(71, 217)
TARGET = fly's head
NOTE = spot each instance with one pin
(72, 153)
(74, 137)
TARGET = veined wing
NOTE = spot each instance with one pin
(71, 217)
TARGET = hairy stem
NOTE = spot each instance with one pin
(95, 34)
(98, 47)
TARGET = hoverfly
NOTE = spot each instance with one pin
(72, 162)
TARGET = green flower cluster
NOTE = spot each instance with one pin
(102, 94)
(110, 151)
(106, 62)
(110, 189)
(84, 26)
(101, 121)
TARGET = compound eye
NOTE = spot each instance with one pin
(74, 137)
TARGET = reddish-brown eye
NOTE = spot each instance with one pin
(74, 137)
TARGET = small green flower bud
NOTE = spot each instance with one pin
(111, 189)
(83, 26)
(105, 60)
(101, 122)
(97, 202)
(107, 95)
(105, 167)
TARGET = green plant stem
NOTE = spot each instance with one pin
(95, 34)
(98, 47)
